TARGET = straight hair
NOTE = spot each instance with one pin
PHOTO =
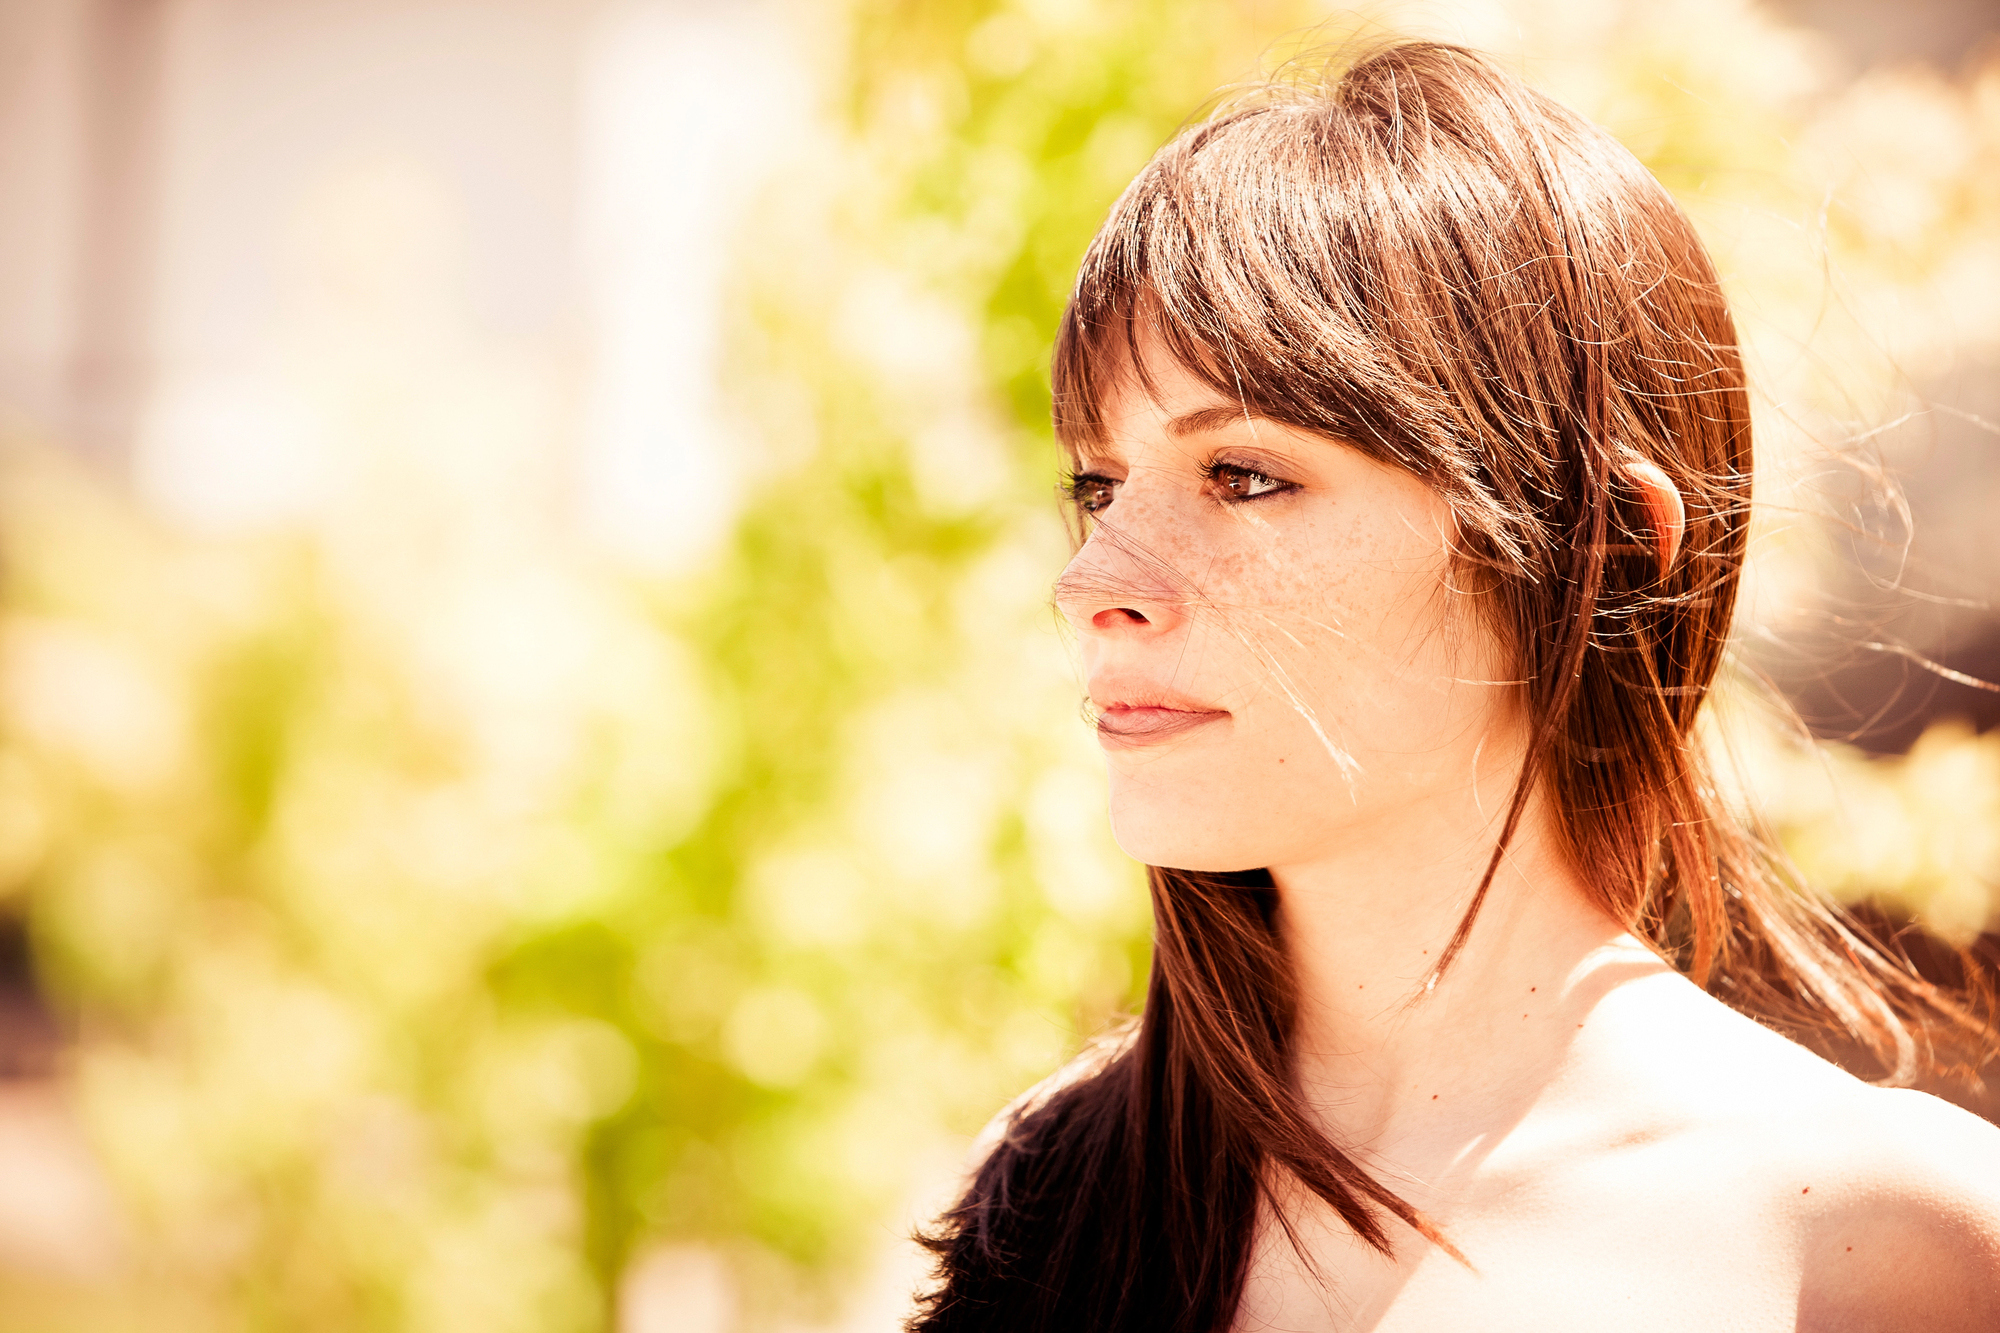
(1421, 258)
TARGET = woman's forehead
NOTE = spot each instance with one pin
(1142, 388)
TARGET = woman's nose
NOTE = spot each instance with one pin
(1114, 584)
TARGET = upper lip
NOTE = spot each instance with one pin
(1114, 698)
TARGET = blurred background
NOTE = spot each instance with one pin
(539, 786)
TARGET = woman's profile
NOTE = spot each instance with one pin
(1411, 451)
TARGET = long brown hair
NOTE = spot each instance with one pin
(1424, 259)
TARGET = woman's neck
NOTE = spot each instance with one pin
(1390, 1064)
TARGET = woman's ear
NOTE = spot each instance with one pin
(1664, 511)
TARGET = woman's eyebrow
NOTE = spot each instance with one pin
(1205, 419)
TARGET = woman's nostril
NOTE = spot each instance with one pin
(1112, 617)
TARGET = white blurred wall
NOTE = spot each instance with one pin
(256, 255)
(43, 162)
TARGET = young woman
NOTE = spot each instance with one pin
(1412, 447)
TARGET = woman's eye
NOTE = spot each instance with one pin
(1091, 493)
(1240, 483)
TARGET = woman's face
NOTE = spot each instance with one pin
(1279, 662)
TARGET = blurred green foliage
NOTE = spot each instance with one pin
(447, 919)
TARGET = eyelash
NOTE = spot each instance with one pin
(1217, 471)
(1078, 486)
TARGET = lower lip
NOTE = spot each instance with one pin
(1124, 728)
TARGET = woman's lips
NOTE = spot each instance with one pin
(1124, 725)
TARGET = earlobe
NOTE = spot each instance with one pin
(1665, 512)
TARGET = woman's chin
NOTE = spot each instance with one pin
(1181, 845)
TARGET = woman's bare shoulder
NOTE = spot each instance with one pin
(1892, 1196)
(1907, 1233)
(1895, 1194)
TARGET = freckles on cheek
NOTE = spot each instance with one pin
(1302, 582)
(1270, 569)
(1320, 593)
(1266, 546)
